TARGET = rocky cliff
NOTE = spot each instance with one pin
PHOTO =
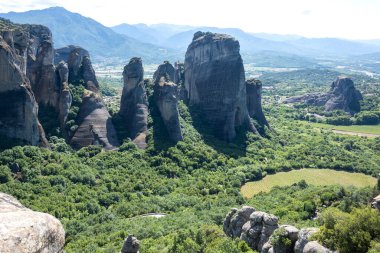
(25, 231)
(94, 122)
(18, 106)
(215, 82)
(255, 110)
(79, 64)
(40, 66)
(262, 233)
(134, 102)
(342, 96)
(65, 98)
(166, 98)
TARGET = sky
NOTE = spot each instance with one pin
(350, 19)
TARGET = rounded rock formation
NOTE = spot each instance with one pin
(25, 231)
(131, 245)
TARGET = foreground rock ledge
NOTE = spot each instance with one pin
(262, 233)
(25, 231)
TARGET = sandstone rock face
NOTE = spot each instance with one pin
(94, 122)
(179, 79)
(215, 82)
(166, 98)
(79, 64)
(65, 97)
(25, 231)
(95, 125)
(262, 233)
(254, 88)
(167, 70)
(134, 102)
(342, 96)
(235, 221)
(19, 109)
(131, 245)
(40, 66)
(257, 231)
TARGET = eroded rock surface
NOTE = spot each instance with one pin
(18, 106)
(134, 102)
(65, 97)
(342, 96)
(95, 125)
(79, 64)
(262, 233)
(25, 231)
(255, 110)
(40, 66)
(166, 98)
(215, 82)
(131, 245)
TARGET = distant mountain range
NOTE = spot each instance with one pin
(155, 43)
(74, 29)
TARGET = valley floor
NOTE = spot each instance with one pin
(311, 176)
(372, 131)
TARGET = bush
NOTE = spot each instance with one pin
(339, 121)
(352, 232)
(5, 174)
(367, 118)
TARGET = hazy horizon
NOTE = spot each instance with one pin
(346, 19)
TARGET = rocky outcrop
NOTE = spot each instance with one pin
(282, 240)
(376, 202)
(215, 82)
(95, 125)
(235, 220)
(65, 97)
(40, 66)
(305, 243)
(134, 102)
(94, 122)
(131, 245)
(166, 98)
(18, 106)
(179, 79)
(262, 233)
(79, 64)
(257, 231)
(25, 231)
(255, 110)
(342, 96)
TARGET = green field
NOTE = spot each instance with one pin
(365, 129)
(311, 176)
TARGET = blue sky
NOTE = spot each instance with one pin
(351, 19)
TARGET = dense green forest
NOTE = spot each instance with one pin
(100, 196)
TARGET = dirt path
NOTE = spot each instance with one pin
(356, 133)
(155, 215)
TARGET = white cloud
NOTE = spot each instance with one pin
(355, 19)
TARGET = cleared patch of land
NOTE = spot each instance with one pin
(311, 176)
(360, 130)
